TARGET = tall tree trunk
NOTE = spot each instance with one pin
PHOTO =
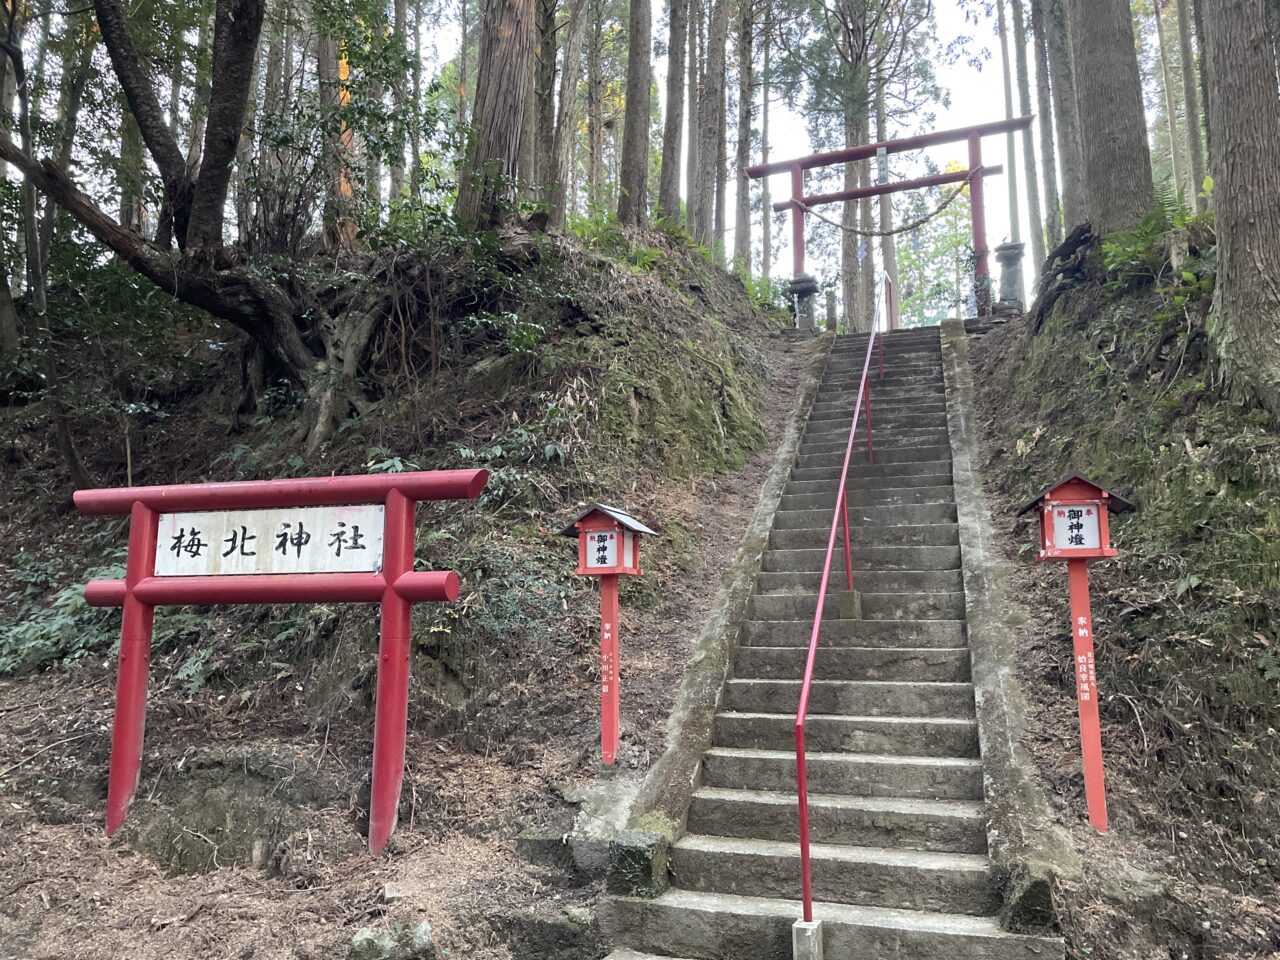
(1011, 165)
(566, 119)
(1066, 115)
(1273, 29)
(742, 155)
(711, 102)
(244, 155)
(130, 172)
(1170, 102)
(502, 91)
(543, 119)
(1245, 322)
(1191, 97)
(673, 122)
(415, 122)
(633, 188)
(465, 25)
(866, 217)
(400, 30)
(851, 119)
(1197, 18)
(10, 329)
(595, 112)
(694, 71)
(888, 247)
(1035, 224)
(1117, 161)
(1044, 100)
(766, 206)
(722, 190)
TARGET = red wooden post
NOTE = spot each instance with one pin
(392, 707)
(1087, 693)
(1075, 527)
(610, 699)
(135, 660)
(848, 547)
(797, 221)
(978, 219)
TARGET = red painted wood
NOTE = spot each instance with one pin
(423, 586)
(392, 707)
(306, 492)
(889, 146)
(610, 696)
(130, 721)
(876, 190)
(1087, 694)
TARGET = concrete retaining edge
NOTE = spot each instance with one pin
(659, 812)
(1029, 850)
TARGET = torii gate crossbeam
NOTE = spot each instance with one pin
(975, 173)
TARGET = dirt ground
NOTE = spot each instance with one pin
(303, 883)
(1154, 887)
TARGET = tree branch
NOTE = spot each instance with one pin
(254, 304)
(237, 27)
(130, 67)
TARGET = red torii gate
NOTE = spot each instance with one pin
(975, 173)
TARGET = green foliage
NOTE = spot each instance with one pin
(1116, 385)
(52, 624)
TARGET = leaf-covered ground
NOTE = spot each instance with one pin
(1113, 379)
(622, 368)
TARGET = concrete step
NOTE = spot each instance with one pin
(882, 458)
(841, 403)
(864, 698)
(900, 535)
(871, 497)
(861, 515)
(707, 926)
(870, 876)
(892, 380)
(882, 440)
(891, 736)
(845, 774)
(870, 485)
(893, 422)
(856, 633)
(948, 826)
(868, 474)
(871, 581)
(920, 664)
(866, 558)
(875, 606)
(890, 398)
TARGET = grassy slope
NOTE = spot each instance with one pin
(1115, 383)
(626, 369)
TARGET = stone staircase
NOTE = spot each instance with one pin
(898, 832)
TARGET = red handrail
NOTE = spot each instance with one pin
(840, 517)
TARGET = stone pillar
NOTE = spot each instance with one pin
(1009, 256)
(803, 290)
(831, 311)
(806, 940)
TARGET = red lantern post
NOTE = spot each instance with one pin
(1074, 527)
(608, 546)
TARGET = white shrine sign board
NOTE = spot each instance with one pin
(1076, 525)
(344, 539)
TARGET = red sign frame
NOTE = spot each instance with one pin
(396, 588)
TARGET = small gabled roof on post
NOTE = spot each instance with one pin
(616, 513)
(1115, 502)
